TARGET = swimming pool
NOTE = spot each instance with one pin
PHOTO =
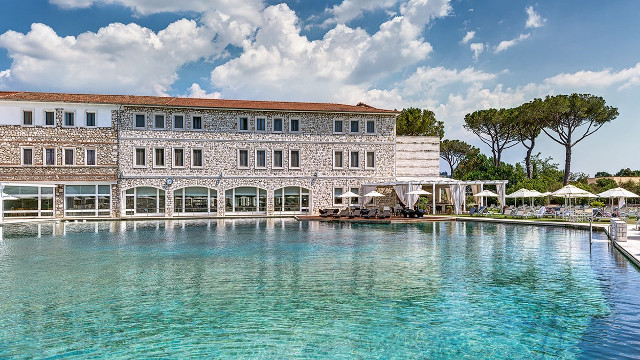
(286, 289)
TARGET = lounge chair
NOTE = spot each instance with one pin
(342, 213)
(327, 212)
(386, 213)
(355, 214)
(472, 211)
(371, 214)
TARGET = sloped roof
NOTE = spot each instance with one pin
(135, 100)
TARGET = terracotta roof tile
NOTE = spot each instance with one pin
(190, 102)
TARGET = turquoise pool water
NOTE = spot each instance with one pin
(282, 289)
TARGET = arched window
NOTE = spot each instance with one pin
(291, 199)
(246, 199)
(144, 200)
(195, 199)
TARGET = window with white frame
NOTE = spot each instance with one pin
(178, 122)
(87, 200)
(261, 159)
(178, 157)
(159, 158)
(354, 159)
(294, 125)
(277, 125)
(354, 200)
(49, 118)
(243, 124)
(337, 200)
(90, 118)
(337, 127)
(261, 124)
(338, 159)
(294, 159)
(278, 159)
(49, 156)
(243, 158)
(69, 156)
(158, 121)
(27, 117)
(370, 160)
(354, 128)
(140, 121)
(197, 158)
(27, 156)
(371, 126)
(196, 122)
(90, 157)
(69, 118)
(140, 157)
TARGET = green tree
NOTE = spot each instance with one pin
(628, 172)
(571, 118)
(416, 122)
(602, 174)
(529, 119)
(496, 128)
(454, 151)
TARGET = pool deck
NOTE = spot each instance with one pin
(391, 220)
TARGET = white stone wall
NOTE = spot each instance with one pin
(417, 156)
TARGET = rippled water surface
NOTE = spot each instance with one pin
(282, 289)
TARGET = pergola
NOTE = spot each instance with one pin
(455, 189)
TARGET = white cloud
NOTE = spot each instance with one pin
(477, 49)
(534, 20)
(146, 7)
(504, 45)
(5, 73)
(353, 9)
(195, 91)
(468, 37)
(597, 79)
(118, 58)
(426, 81)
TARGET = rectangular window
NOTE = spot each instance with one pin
(178, 157)
(27, 117)
(294, 125)
(243, 158)
(370, 160)
(91, 119)
(196, 122)
(141, 121)
(27, 156)
(371, 126)
(69, 156)
(90, 157)
(338, 159)
(261, 159)
(158, 158)
(337, 200)
(140, 157)
(178, 122)
(50, 156)
(354, 159)
(354, 200)
(294, 159)
(158, 121)
(69, 118)
(278, 159)
(337, 126)
(355, 125)
(49, 118)
(261, 124)
(277, 125)
(196, 158)
(243, 124)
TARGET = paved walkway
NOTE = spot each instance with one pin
(631, 247)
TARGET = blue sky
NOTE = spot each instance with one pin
(451, 56)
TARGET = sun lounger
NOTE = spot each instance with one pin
(342, 213)
(355, 214)
(386, 213)
(371, 214)
(328, 212)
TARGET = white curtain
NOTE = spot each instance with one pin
(401, 191)
(476, 189)
(365, 190)
(413, 199)
(462, 198)
(455, 197)
(500, 188)
(621, 202)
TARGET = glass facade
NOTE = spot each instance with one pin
(291, 199)
(246, 200)
(144, 200)
(195, 200)
(27, 201)
(87, 200)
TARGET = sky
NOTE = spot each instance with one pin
(450, 56)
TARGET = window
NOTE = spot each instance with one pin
(278, 159)
(338, 159)
(69, 156)
(178, 121)
(158, 157)
(261, 124)
(141, 121)
(90, 157)
(195, 200)
(294, 125)
(370, 160)
(291, 199)
(196, 122)
(87, 200)
(337, 200)
(27, 117)
(277, 125)
(178, 157)
(355, 125)
(69, 118)
(371, 126)
(243, 124)
(261, 159)
(28, 201)
(337, 126)
(140, 159)
(294, 159)
(27, 156)
(49, 118)
(245, 200)
(354, 200)
(354, 159)
(243, 158)
(158, 121)
(144, 200)
(91, 119)
(196, 158)
(50, 156)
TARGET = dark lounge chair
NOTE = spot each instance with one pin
(342, 213)
(327, 212)
(386, 213)
(354, 214)
(371, 214)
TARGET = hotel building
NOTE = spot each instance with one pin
(82, 155)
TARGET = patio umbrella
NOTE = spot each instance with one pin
(349, 195)
(523, 193)
(486, 193)
(618, 192)
(570, 191)
(418, 192)
(373, 194)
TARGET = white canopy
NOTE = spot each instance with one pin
(419, 192)
(348, 194)
(486, 193)
(571, 191)
(618, 192)
(523, 193)
(373, 194)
